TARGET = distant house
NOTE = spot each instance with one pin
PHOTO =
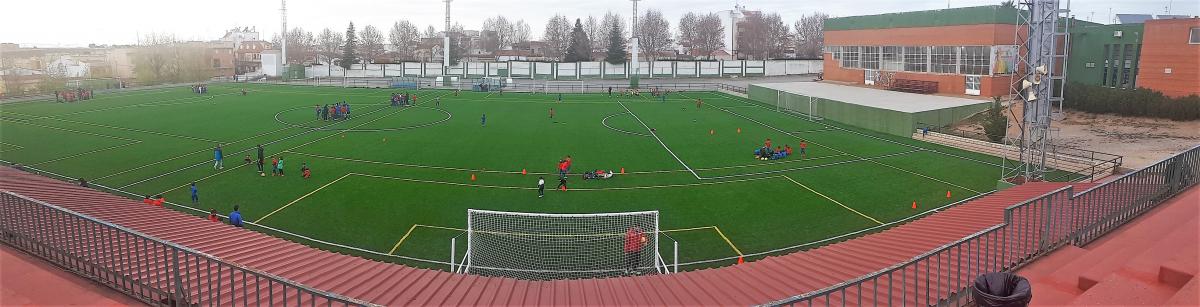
(715, 55)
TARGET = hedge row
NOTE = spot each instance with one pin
(1139, 102)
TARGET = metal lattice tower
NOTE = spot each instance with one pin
(1041, 60)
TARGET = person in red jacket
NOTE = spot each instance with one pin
(148, 200)
(635, 241)
(212, 215)
(160, 201)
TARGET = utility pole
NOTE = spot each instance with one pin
(446, 48)
(283, 35)
(636, 69)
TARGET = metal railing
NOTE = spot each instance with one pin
(943, 276)
(152, 270)
(1077, 164)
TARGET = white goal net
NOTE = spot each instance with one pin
(539, 246)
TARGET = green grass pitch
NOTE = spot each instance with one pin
(398, 181)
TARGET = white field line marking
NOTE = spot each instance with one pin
(860, 133)
(26, 122)
(703, 183)
(605, 123)
(121, 128)
(853, 155)
(189, 154)
(238, 152)
(86, 153)
(259, 220)
(543, 173)
(859, 159)
(149, 104)
(832, 200)
(660, 142)
(285, 150)
(18, 147)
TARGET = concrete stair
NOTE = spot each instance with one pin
(1057, 161)
(1150, 261)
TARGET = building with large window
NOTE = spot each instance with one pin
(964, 51)
(972, 51)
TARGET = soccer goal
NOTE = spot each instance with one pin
(565, 87)
(799, 105)
(541, 246)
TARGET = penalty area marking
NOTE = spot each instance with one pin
(832, 200)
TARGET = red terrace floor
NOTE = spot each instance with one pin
(26, 280)
(1153, 261)
(388, 284)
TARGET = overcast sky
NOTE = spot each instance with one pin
(79, 22)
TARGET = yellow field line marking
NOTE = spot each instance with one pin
(722, 234)
(414, 227)
(394, 247)
(686, 229)
(86, 153)
(301, 198)
(832, 200)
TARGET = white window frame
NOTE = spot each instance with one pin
(978, 83)
(1194, 36)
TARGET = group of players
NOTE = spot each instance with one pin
(339, 110)
(403, 99)
(201, 88)
(72, 95)
(767, 153)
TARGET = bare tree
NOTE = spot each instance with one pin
(686, 35)
(654, 33)
(300, 45)
(370, 44)
(753, 37)
(521, 32)
(779, 36)
(558, 35)
(500, 31)
(595, 33)
(329, 45)
(430, 32)
(404, 36)
(710, 34)
(810, 35)
(614, 20)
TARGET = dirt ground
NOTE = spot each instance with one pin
(1141, 141)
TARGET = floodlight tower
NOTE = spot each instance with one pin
(637, 68)
(283, 35)
(446, 48)
(1040, 64)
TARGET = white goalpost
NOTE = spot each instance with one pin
(542, 246)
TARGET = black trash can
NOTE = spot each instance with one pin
(1001, 290)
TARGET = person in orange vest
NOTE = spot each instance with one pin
(160, 201)
(803, 146)
(635, 241)
(212, 215)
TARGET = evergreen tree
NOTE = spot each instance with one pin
(995, 125)
(616, 46)
(581, 46)
(348, 53)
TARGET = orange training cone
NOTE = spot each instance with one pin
(564, 189)
(622, 170)
(523, 171)
(473, 179)
(947, 194)
(914, 205)
(740, 260)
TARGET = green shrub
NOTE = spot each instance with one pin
(1138, 102)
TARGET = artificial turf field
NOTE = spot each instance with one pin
(398, 180)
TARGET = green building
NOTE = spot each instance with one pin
(1105, 55)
